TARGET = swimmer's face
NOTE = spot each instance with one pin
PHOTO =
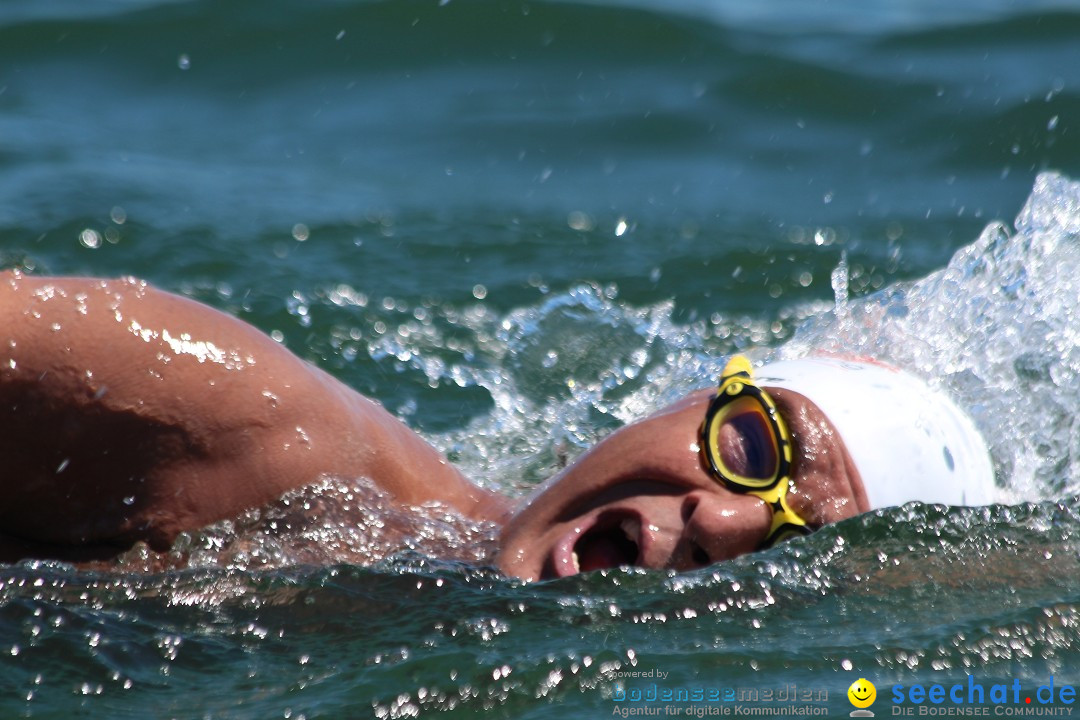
(642, 497)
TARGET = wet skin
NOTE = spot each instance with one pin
(643, 497)
(129, 414)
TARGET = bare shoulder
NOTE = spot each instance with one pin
(51, 314)
(130, 413)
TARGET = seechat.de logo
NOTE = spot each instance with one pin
(862, 695)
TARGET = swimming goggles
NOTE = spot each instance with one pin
(747, 447)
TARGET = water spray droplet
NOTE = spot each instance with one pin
(90, 238)
(840, 286)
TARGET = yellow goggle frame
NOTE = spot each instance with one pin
(739, 395)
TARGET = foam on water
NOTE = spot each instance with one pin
(997, 329)
(331, 521)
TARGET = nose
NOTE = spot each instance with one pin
(720, 527)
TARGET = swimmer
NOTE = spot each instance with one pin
(128, 414)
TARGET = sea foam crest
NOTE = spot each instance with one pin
(996, 328)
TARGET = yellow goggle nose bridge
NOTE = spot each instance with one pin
(750, 417)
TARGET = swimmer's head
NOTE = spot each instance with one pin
(649, 496)
(909, 441)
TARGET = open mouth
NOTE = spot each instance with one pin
(611, 542)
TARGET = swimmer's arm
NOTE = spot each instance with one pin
(128, 413)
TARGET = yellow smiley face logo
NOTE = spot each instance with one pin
(862, 693)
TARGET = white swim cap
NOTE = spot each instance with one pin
(908, 440)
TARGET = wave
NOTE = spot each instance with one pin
(285, 38)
